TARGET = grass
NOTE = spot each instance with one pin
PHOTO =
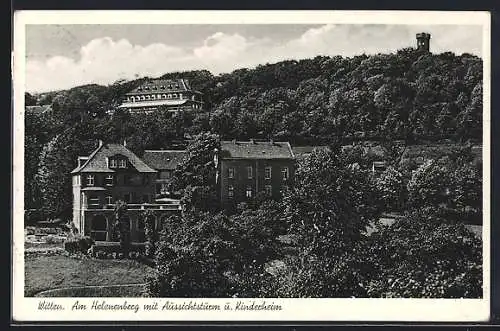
(115, 291)
(51, 272)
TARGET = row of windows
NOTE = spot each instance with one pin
(95, 201)
(267, 173)
(268, 189)
(109, 180)
(169, 86)
(156, 97)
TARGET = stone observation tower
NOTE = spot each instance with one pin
(423, 41)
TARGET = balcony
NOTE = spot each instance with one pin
(139, 206)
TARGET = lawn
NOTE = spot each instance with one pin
(59, 271)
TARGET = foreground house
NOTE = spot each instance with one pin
(112, 173)
(172, 95)
(246, 168)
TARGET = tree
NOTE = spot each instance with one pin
(328, 210)
(392, 186)
(429, 185)
(151, 232)
(29, 100)
(195, 175)
(421, 256)
(122, 224)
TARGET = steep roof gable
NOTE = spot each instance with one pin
(97, 160)
(256, 150)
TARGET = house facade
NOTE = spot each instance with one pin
(108, 174)
(172, 95)
(247, 168)
(164, 162)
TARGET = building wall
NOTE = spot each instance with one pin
(136, 217)
(76, 201)
(240, 182)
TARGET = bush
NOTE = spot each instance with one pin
(112, 250)
(78, 244)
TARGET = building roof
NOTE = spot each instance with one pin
(164, 159)
(153, 103)
(256, 150)
(304, 150)
(97, 160)
(162, 86)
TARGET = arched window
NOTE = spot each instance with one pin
(132, 99)
(143, 97)
(147, 97)
(164, 96)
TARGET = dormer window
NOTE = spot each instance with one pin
(123, 163)
(113, 163)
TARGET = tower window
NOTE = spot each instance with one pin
(230, 191)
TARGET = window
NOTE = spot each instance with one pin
(284, 173)
(108, 181)
(169, 96)
(93, 201)
(267, 173)
(249, 192)
(123, 163)
(109, 200)
(113, 163)
(250, 172)
(230, 191)
(230, 173)
(90, 180)
(268, 189)
(174, 95)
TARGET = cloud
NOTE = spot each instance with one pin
(104, 60)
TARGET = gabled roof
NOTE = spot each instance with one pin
(162, 86)
(256, 150)
(97, 160)
(164, 159)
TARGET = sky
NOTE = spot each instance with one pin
(64, 56)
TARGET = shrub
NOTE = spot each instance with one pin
(422, 256)
(78, 244)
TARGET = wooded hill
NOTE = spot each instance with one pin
(406, 95)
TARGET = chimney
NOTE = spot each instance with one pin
(271, 141)
(234, 141)
(124, 143)
(252, 141)
(100, 143)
